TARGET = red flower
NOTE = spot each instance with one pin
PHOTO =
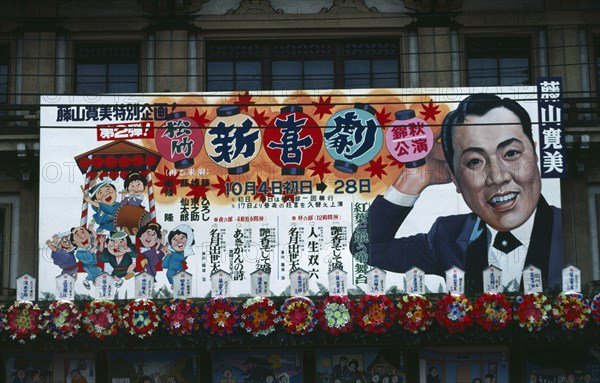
(375, 313)
(220, 316)
(454, 312)
(492, 312)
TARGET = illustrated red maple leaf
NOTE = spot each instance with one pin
(201, 119)
(376, 167)
(429, 110)
(167, 183)
(323, 107)
(262, 196)
(383, 117)
(398, 164)
(197, 191)
(320, 168)
(260, 118)
(221, 185)
(244, 101)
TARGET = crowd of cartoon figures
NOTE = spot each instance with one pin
(141, 245)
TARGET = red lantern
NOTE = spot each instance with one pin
(179, 140)
(292, 140)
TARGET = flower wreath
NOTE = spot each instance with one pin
(532, 311)
(571, 311)
(101, 318)
(62, 320)
(2, 319)
(336, 314)
(375, 313)
(492, 311)
(180, 316)
(22, 321)
(220, 316)
(298, 315)
(259, 316)
(140, 318)
(595, 309)
(454, 312)
(415, 313)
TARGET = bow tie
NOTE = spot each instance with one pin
(506, 242)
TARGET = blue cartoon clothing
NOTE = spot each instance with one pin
(89, 260)
(104, 216)
(173, 263)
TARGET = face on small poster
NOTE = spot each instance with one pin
(360, 366)
(477, 365)
(29, 368)
(269, 366)
(79, 370)
(563, 365)
(153, 367)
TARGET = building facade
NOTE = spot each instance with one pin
(69, 47)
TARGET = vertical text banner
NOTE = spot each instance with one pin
(552, 140)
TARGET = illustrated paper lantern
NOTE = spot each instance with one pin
(409, 139)
(233, 140)
(179, 140)
(292, 140)
(353, 137)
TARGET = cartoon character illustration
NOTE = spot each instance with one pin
(85, 243)
(63, 253)
(151, 240)
(180, 242)
(135, 185)
(119, 252)
(103, 198)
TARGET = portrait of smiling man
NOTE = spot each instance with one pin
(488, 152)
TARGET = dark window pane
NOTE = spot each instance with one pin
(385, 74)
(3, 81)
(318, 75)
(248, 76)
(498, 61)
(220, 76)
(357, 74)
(103, 68)
(287, 75)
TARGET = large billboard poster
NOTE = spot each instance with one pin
(280, 182)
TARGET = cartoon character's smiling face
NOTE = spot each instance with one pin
(179, 241)
(106, 194)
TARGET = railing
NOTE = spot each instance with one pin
(579, 114)
(582, 114)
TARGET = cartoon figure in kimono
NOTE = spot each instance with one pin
(63, 253)
(151, 240)
(119, 253)
(180, 242)
(85, 244)
(103, 198)
(135, 185)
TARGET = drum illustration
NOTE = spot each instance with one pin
(130, 218)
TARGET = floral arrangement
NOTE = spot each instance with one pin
(220, 316)
(22, 321)
(101, 318)
(2, 319)
(335, 314)
(595, 309)
(532, 311)
(375, 313)
(298, 315)
(571, 311)
(61, 320)
(492, 311)
(259, 316)
(415, 313)
(180, 316)
(454, 312)
(140, 318)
